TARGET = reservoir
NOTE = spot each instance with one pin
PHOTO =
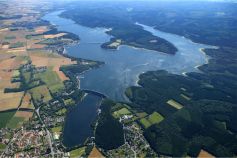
(78, 122)
(121, 70)
(122, 67)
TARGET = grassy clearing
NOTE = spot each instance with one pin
(41, 92)
(155, 117)
(5, 117)
(121, 112)
(2, 146)
(77, 152)
(174, 104)
(57, 129)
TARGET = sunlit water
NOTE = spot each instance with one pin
(122, 67)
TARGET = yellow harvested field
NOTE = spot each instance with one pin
(24, 114)
(23, 49)
(41, 29)
(9, 100)
(3, 30)
(54, 36)
(116, 43)
(5, 46)
(95, 153)
(174, 104)
(205, 154)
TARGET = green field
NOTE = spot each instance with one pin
(77, 152)
(41, 92)
(145, 123)
(10, 37)
(121, 112)
(155, 117)
(152, 119)
(51, 79)
(175, 104)
(5, 117)
(17, 45)
(57, 129)
(15, 122)
(2, 146)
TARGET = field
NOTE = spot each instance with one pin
(41, 92)
(145, 122)
(204, 154)
(175, 104)
(5, 117)
(95, 153)
(51, 79)
(54, 36)
(57, 129)
(26, 115)
(26, 102)
(77, 152)
(18, 119)
(155, 117)
(152, 119)
(121, 112)
(51, 60)
(41, 29)
(15, 122)
(2, 147)
(9, 100)
(141, 114)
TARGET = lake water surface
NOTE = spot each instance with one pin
(122, 67)
(77, 127)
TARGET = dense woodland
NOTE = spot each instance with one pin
(109, 131)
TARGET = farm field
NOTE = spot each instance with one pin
(77, 152)
(121, 112)
(5, 117)
(174, 104)
(95, 153)
(41, 92)
(152, 119)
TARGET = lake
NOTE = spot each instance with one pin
(78, 122)
(121, 70)
(122, 67)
